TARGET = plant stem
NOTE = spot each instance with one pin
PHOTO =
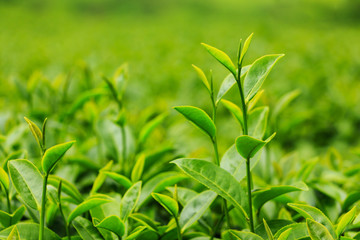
(178, 228)
(123, 140)
(8, 202)
(42, 210)
(248, 174)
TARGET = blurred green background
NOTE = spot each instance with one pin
(160, 39)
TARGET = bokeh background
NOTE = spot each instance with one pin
(82, 40)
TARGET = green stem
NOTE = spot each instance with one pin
(8, 202)
(123, 140)
(42, 210)
(248, 174)
(178, 228)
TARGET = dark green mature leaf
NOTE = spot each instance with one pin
(228, 83)
(86, 206)
(345, 220)
(27, 181)
(66, 187)
(135, 233)
(222, 57)
(213, 177)
(317, 231)
(262, 196)
(120, 179)
(195, 208)
(53, 155)
(275, 225)
(114, 224)
(313, 214)
(158, 184)
(248, 146)
(86, 229)
(233, 234)
(257, 74)
(199, 118)
(268, 230)
(29, 231)
(7, 219)
(167, 202)
(129, 201)
(202, 77)
(150, 127)
(144, 220)
(4, 180)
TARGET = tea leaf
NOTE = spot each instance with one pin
(222, 57)
(100, 179)
(4, 180)
(14, 234)
(248, 146)
(35, 130)
(235, 111)
(114, 224)
(66, 187)
(213, 177)
(345, 220)
(138, 168)
(120, 179)
(86, 229)
(234, 234)
(199, 118)
(298, 231)
(7, 219)
(167, 202)
(29, 231)
(202, 77)
(313, 214)
(245, 48)
(317, 231)
(257, 120)
(257, 74)
(86, 206)
(145, 220)
(129, 200)
(135, 233)
(53, 155)
(195, 208)
(149, 128)
(285, 235)
(27, 181)
(268, 230)
(228, 83)
(262, 196)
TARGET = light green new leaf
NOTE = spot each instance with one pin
(268, 230)
(246, 47)
(135, 233)
(14, 234)
(238, 235)
(195, 208)
(257, 120)
(285, 235)
(120, 179)
(345, 220)
(29, 231)
(86, 229)
(257, 74)
(129, 201)
(66, 187)
(144, 220)
(158, 183)
(27, 181)
(112, 223)
(317, 231)
(167, 202)
(53, 155)
(100, 179)
(4, 180)
(199, 118)
(222, 57)
(228, 83)
(235, 111)
(149, 127)
(298, 231)
(202, 77)
(262, 196)
(213, 177)
(138, 168)
(184, 194)
(248, 146)
(86, 206)
(313, 214)
(7, 219)
(35, 130)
